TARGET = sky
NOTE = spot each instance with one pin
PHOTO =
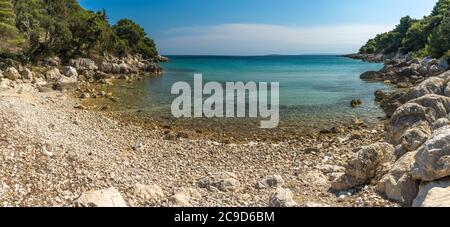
(261, 27)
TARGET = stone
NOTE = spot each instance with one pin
(52, 61)
(327, 169)
(151, 194)
(434, 70)
(183, 197)
(423, 70)
(371, 75)
(315, 205)
(447, 90)
(370, 163)
(27, 75)
(434, 194)
(316, 178)
(124, 68)
(433, 85)
(433, 158)
(83, 64)
(415, 137)
(356, 102)
(438, 103)
(70, 71)
(11, 73)
(399, 184)
(110, 197)
(441, 122)
(391, 103)
(380, 95)
(274, 181)
(225, 181)
(442, 64)
(406, 117)
(53, 75)
(282, 198)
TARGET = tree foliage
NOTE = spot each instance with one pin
(10, 38)
(63, 28)
(426, 37)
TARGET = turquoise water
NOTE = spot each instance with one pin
(312, 88)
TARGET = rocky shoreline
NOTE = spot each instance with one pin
(55, 152)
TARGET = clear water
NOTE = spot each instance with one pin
(312, 88)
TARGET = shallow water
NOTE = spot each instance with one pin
(314, 90)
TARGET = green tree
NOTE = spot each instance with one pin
(9, 34)
(136, 38)
(439, 40)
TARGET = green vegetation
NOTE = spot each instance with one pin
(63, 28)
(429, 36)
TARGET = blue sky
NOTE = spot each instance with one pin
(258, 27)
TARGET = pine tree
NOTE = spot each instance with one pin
(9, 34)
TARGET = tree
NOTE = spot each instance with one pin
(9, 34)
(135, 36)
(439, 40)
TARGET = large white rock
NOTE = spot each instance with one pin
(110, 197)
(83, 64)
(433, 158)
(70, 71)
(398, 184)
(184, 197)
(434, 194)
(151, 194)
(282, 198)
(413, 138)
(225, 181)
(53, 75)
(370, 163)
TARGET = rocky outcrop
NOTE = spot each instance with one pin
(370, 163)
(83, 64)
(110, 197)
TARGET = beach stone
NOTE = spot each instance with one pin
(370, 75)
(370, 162)
(274, 181)
(316, 178)
(70, 71)
(399, 184)
(406, 117)
(11, 73)
(224, 181)
(183, 197)
(282, 198)
(152, 194)
(27, 75)
(327, 169)
(433, 85)
(415, 137)
(104, 198)
(433, 158)
(434, 194)
(83, 64)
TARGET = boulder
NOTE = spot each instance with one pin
(282, 198)
(316, 178)
(53, 75)
(103, 198)
(125, 68)
(447, 90)
(442, 122)
(356, 102)
(423, 70)
(432, 85)
(27, 75)
(381, 95)
(370, 163)
(83, 64)
(434, 194)
(184, 197)
(70, 71)
(434, 70)
(413, 138)
(391, 103)
(438, 103)
(225, 181)
(406, 117)
(151, 194)
(399, 184)
(442, 64)
(112, 68)
(11, 73)
(371, 75)
(433, 158)
(52, 61)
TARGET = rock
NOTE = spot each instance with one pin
(110, 67)
(70, 71)
(356, 102)
(439, 104)
(274, 181)
(316, 178)
(442, 64)
(415, 137)
(124, 68)
(442, 122)
(406, 72)
(432, 85)
(53, 75)
(85, 95)
(380, 95)
(83, 64)
(327, 169)
(282, 198)
(399, 184)
(52, 61)
(447, 90)
(226, 182)
(160, 58)
(11, 73)
(103, 198)
(151, 194)
(183, 197)
(433, 158)
(27, 75)
(371, 162)
(434, 70)
(5, 83)
(406, 117)
(391, 103)
(67, 83)
(423, 70)
(371, 75)
(434, 194)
